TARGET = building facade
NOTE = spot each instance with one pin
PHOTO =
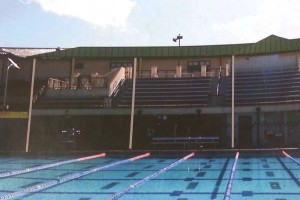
(179, 92)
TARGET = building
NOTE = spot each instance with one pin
(179, 92)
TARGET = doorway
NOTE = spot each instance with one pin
(245, 131)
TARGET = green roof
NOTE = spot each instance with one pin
(270, 45)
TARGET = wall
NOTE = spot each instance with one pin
(273, 61)
(52, 69)
(13, 134)
(100, 66)
(171, 63)
(58, 68)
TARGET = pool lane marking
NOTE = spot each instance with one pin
(140, 182)
(294, 178)
(42, 186)
(290, 157)
(214, 194)
(230, 182)
(37, 168)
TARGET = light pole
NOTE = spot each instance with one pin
(12, 64)
(179, 37)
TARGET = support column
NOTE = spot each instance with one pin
(30, 105)
(227, 69)
(178, 71)
(140, 67)
(258, 111)
(72, 70)
(285, 128)
(262, 130)
(154, 72)
(298, 62)
(203, 70)
(132, 103)
(232, 103)
(228, 131)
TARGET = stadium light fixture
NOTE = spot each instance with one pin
(12, 64)
(179, 37)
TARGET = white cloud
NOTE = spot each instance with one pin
(25, 1)
(97, 12)
(271, 17)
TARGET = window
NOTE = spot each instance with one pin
(114, 65)
(195, 66)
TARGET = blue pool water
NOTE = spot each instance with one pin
(258, 176)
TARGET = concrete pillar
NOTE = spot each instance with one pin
(154, 72)
(72, 70)
(298, 62)
(227, 69)
(203, 70)
(178, 71)
(262, 130)
(140, 67)
(229, 131)
(285, 128)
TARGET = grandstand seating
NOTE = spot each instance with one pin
(255, 87)
(167, 92)
(268, 86)
(94, 94)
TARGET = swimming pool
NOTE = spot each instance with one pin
(203, 175)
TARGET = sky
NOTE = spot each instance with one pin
(75, 23)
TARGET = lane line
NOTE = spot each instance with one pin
(42, 186)
(144, 180)
(23, 171)
(230, 182)
(215, 192)
(291, 174)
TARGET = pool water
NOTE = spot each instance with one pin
(257, 176)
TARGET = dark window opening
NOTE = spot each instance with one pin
(195, 66)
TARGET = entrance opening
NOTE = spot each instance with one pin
(245, 131)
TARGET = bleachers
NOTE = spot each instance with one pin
(90, 91)
(259, 87)
(167, 92)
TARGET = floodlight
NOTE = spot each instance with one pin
(13, 63)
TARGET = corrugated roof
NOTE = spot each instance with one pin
(270, 45)
(26, 52)
(167, 51)
(2, 52)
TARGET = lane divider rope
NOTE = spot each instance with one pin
(290, 157)
(63, 179)
(23, 171)
(131, 187)
(230, 182)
